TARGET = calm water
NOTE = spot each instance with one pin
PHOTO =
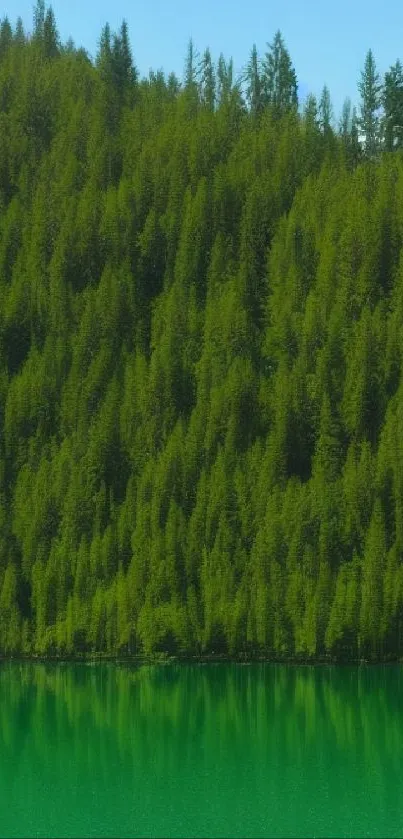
(214, 750)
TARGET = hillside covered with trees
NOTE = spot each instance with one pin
(201, 339)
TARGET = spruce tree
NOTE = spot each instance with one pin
(6, 37)
(279, 78)
(254, 90)
(39, 20)
(19, 34)
(392, 100)
(325, 111)
(369, 87)
(51, 41)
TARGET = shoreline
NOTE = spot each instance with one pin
(212, 658)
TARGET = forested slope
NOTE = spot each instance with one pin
(201, 399)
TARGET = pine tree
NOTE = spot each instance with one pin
(325, 112)
(345, 120)
(6, 37)
(342, 626)
(348, 131)
(370, 89)
(325, 109)
(123, 73)
(191, 79)
(372, 573)
(10, 620)
(129, 71)
(254, 90)
(104, 55)
(312, 134)
(173, 86)
(19, 34)
(39, 20)
(223, 83)
(51, 41)
(279, 78)
(355, 146)
(328, 455)
(207, 84)
(392, 100)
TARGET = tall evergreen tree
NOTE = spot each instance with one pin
(208, 92)
(279, 78)
(325, 111)
(51, 41)
(392, 100)
(345, 120)
(104, 54)
(254, 90)
(39, 20)
(191, 80)
(224, 80)
(348, 131)
(125, 74)
(19, 34)
(355, 146)
(369, 120)
(6, 36)
(312, 134)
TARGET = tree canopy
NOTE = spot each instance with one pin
(201, 314)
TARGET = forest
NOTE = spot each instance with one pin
(201, 339)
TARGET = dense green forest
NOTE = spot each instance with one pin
(201, 337)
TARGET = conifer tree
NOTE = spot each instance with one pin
(104, 54)
(51, 41)
(39, 20)
(369, 87)
(355, 146)
(392, 100)
(325, 111)
(372, 574)
(348, 131)
(279, 78)
(345, 120)
(208, 93)
(124, 73)
(10, 618)
(173, 86)
(228, 90)
(6, 37)
(19, 34)
(254, 90)
(128, 71)
(191, 78)
(312, 134)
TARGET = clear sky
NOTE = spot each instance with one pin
(327, 42)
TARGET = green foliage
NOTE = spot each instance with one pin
(208, 88)
(254, 91)
(201, 315)
(370, 89)
(279, 78)
(392, 100)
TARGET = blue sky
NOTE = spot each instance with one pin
(327, 41)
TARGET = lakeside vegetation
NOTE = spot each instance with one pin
(201, 312)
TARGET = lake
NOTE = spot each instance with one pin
(214, 750)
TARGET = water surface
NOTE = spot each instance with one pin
(219, 750)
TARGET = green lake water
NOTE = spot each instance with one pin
(215, 750)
